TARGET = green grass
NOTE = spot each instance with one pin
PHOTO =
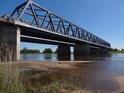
(57, 86)
(114, 52)
(10, 80)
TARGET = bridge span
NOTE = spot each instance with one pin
(31, 22)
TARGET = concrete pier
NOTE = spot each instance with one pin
(9, 42)
(103, 51)
(81, 51)
(64, 52)
(93, 51)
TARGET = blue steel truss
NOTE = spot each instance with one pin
(35, 15)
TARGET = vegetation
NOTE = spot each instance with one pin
(122, 49)
(117, 51)
(56, 51)
(14, 81)
(10, 80)
(32, 51)
(26, 51)
(47, 50)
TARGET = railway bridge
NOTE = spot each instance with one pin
(33, 23)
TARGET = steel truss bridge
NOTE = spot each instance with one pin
(36, 16)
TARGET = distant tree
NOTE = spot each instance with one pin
(116, 49)
(25, 50)
(33, 51)
(56, 50)
(47, 50)
(122, 49)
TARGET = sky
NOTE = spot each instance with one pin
(104, 18)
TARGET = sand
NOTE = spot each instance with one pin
(120, 80)
(46, 66)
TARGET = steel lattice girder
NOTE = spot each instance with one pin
(43, 18)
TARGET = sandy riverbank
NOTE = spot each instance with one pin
(59, 66)
(120, 81)
(46, 66)
(65, 85)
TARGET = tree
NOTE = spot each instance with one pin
(56, 50)
(25, 50)
(116, 49)
(47, 50)
(122, 49)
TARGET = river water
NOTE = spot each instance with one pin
(99, 75)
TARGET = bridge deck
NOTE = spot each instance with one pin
(38, 35)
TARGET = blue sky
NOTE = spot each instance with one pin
(104, 18)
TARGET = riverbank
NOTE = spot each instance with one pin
(41, 78)
(60, 77)
(120, 80)
(38, 65)
(116, 52)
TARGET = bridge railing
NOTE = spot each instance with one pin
(37, 16)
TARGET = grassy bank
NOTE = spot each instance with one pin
(12, 80)
(114, 52)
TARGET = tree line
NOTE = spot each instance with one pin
(115, 50)
(46, 50)
(26, 50)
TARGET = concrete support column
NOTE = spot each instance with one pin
(9, 42)
(64, 52)
(93, 51)
(81, 51)
(103, 51)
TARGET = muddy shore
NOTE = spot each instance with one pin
(45, 66)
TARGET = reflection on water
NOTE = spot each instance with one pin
(99, 75)
(38, 57)
(43, 57)
(47, 57)
(55, 57)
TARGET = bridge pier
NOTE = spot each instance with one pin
(93, 51)
(63, 52)
(9, 42)
(103, 51)
(81, 51)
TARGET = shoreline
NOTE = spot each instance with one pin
(46, 65)
(118, 52)
(38, 53)
(50, 63)
(120, 81)
(42, 53)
